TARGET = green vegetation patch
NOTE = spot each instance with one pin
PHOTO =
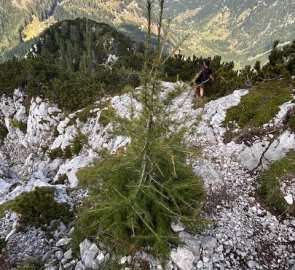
(32, 264)
(2, 244)
(19, 124)
(107, 115)
(74, 148)
(78, 142)
(291, 120)
(86, 113)
(127, 212)
(56, 153)
(3, 132)
(260, 105)
(38, 207)
(269, 191)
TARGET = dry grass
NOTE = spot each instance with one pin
(22, 4)
(36, 27)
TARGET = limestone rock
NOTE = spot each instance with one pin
(183, 258)
(289, 199)
(63, 242)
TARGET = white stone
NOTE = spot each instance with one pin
(89, 255)
(200, 265)
(13, 231)
(177, 227)
(289, 199)
(183, 258)
(252, 264)
(100, 258)
(59, 255)
(80, 266)
(63, 242)
(4, 186)
(123, 260)
(71, 167)
(68, 254)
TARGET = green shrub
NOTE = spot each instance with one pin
(61, 179)
(106, 116)
(78, 142)
(3, 132)
(291, 121)
(56, 153)
(2, 244)
(86, 113)
(137, 193)
(128, 219)
(68, 153)
(270, 191)
(74, 148)
(260, 105)
(18, 124)
(55, 132)
(38, 207)
(31, 265)
(5, 206)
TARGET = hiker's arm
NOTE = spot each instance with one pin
(198, 74)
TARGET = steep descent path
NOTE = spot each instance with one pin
(243, 235)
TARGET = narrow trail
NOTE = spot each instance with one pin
(243, 234)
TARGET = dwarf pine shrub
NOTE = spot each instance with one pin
(38, 207)
(78, 142)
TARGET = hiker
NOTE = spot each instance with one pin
(202, 77)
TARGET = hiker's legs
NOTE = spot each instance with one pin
(195, 90)
(201, 90)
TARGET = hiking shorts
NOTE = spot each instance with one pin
(199, 81)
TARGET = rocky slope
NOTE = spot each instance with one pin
(243, 233)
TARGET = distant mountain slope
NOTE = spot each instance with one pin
(237, 30)
(240, 30)
(83, 44)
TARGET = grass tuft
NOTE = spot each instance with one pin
(18, 124)
(269, 190)
(31, 264)
(3, 132)
(260, 105)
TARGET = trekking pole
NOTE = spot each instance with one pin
(190, 93)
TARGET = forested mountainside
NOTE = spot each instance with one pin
(82, 53)
(224, 27)
(239, 30)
